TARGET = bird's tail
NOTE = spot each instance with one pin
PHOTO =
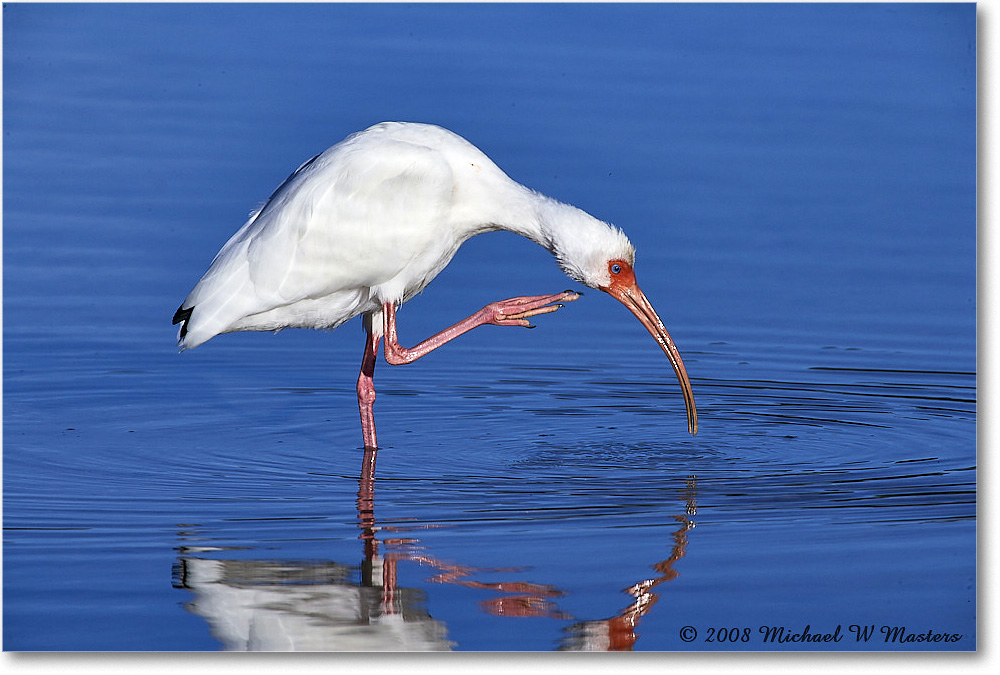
(182, 316)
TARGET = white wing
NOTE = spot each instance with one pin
(366, 221)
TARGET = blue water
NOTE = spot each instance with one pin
(799, 181)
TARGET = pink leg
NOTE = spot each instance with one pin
(512, 312)
(366, 399)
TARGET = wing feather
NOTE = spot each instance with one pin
(352, 223)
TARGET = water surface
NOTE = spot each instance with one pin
(800, 184)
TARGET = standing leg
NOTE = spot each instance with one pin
(366, 397)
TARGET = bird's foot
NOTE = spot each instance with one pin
(515, 311)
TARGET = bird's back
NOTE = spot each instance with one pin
(370, 220)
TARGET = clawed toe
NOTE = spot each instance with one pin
(515, 311)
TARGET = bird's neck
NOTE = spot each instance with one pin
(538, 217)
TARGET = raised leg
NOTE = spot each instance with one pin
(366, 398)
(512, 312)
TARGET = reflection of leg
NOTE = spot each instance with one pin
(366, 395)
(389, 585)
(367, 487)
(366, 503)
(366, 519)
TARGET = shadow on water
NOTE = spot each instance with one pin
(293, 605)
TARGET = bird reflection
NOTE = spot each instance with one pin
(618, 633)
(261, 605)
(519, 598)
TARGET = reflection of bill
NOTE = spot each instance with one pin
(320, 606)
(619, 632)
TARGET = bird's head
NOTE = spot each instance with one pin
(601, 256)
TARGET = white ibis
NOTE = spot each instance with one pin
(364, 226)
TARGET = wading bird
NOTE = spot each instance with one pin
(364, 226)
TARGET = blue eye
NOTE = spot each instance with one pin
(616, 269)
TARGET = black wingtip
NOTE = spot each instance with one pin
(182, 314)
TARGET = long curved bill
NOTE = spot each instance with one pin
(633, 298)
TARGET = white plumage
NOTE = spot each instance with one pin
(371, 221)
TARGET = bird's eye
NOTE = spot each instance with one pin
(616, 269)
